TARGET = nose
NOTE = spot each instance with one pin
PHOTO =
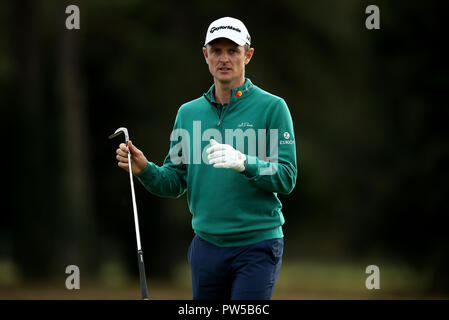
(224, 57)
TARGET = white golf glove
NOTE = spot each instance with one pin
(225, 156)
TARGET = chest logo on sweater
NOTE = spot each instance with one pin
(245, 124)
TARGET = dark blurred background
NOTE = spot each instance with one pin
(370, 113)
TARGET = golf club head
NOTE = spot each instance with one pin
(118, 131)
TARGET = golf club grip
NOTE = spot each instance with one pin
(143, 279)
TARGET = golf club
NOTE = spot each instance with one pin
(143, 282)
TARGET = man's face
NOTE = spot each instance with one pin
(227, 60)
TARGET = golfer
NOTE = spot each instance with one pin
(233, 151)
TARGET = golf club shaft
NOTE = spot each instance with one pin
(136, 220)
(143, 281)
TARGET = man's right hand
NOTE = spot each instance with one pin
(138, 160)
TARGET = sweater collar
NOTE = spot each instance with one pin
(236, 93)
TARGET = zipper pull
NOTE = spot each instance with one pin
(219, 122)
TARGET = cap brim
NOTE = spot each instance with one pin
(240, 42)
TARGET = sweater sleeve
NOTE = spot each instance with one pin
(168, 180)
(278, 171)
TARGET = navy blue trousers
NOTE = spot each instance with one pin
(234, 273)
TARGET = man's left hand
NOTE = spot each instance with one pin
(225, 156)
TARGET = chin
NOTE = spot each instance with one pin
(226, 80)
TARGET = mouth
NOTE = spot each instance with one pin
(224, 69)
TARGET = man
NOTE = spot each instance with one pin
(231, 185)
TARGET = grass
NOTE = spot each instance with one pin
(297, 281)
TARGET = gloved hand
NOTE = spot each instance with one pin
(225, 156)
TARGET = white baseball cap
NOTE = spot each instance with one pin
(230, 28)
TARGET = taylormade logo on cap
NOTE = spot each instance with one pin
(230, 28)
(224, 27)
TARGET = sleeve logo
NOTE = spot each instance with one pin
(287, 139)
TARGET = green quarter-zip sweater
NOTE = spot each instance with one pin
(230, 208)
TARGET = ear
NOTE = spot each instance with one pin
(205, 54)
(249, 55)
